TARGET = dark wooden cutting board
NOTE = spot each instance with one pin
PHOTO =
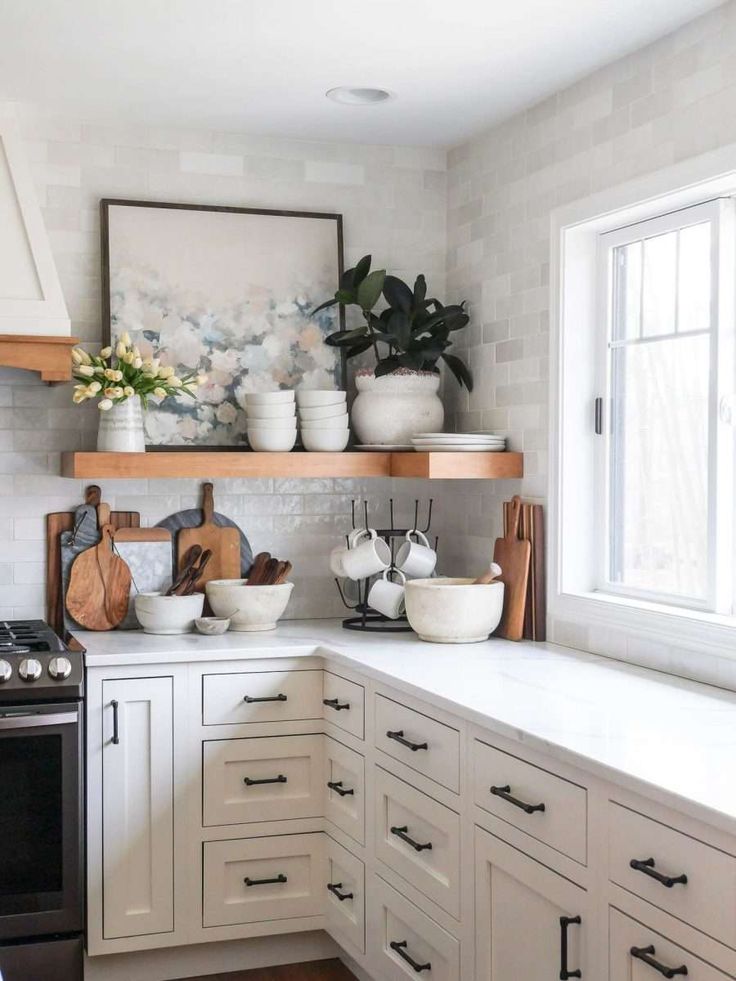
(513, 556)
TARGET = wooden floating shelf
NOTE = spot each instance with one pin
(49, 355)
(204, 464)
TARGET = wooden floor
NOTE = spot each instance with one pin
(332, 970)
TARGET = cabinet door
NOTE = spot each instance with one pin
(526, 917)
(137, 807)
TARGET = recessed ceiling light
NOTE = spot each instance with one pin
(350, 96)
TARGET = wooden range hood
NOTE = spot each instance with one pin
(34, 323)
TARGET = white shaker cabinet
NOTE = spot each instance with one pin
(137, 806)
(531, 923)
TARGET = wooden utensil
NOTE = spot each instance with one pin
(224, 543)
(513, 556)
(531, 528)
(257, 570)
(99, 588)
(489, 576)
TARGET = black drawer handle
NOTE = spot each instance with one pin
(398, 737)
(268, 698)
(565, 972)
(337, 786)
(646, 954)
(417, 846)
(115, 723)
(646, 865)
(400, 947)
(250, 782)
(280, 878)
(336, 704)
(335, 887)
(505, 793)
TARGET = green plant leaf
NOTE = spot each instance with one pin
(457, 322)
(370, 289)
(345, 296)
(360, 348)
(343, 338)
(400, 328)
(323, 306)
(398, 294)
(460, 370)
(412, 360)
(420, 290)
(386, 367)
(361, 271)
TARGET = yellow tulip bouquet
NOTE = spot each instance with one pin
(114, 375)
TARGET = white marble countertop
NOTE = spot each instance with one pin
(647, 730)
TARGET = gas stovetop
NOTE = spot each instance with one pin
(36, 665)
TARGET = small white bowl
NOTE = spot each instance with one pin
(334, 422)
(212, 626)
(453, 611)
(248, 607)
(159, 614)
(272, 440)
(279, 410)
(322, 411)
(280, 424)
(310, 397)
(325, 440)
(269, 398)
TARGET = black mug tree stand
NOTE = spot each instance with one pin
(368, 619)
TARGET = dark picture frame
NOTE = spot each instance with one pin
(335, 319)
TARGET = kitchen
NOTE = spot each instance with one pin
(296, 796)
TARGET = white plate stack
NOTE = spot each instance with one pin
(323, 420)
(479, 442)
(271, 419)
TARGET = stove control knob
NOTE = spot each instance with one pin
(6, 671)
(30, 669)
(60, 668)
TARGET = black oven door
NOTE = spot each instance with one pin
(41, 820)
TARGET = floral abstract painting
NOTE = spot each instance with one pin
(227, 292)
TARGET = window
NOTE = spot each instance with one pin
(664, 458)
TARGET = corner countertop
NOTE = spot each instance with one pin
(648, 731)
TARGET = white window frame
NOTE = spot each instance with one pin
(575, 533)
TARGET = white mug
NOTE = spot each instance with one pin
(339, 552)
(366, 558)
(416, 559)
(387, 597)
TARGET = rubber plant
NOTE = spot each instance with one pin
(412, 332)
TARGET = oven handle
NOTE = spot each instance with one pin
(31, 720)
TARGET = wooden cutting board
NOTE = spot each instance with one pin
(224, 543)
(531, 528)
(99, 587)
(513, 556)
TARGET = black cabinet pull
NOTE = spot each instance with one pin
(505, 793)
(398, 737)
(250, 782)
(565, 972)
(400, 947)
(646, 954)
(336, 704)
(265, 882)
(417, 846)
(268, 698)
(646, 865)
(337, 786)
(115, 723)
(335, 887)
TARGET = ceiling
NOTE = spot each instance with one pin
(454, 67)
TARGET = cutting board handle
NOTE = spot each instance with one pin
(208, 504)
(514, 518)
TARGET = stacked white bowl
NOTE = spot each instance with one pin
(271, 419)
(323, 420)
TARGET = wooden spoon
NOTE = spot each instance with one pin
(257, 570)
(490, 575)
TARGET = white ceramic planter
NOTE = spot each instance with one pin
(393, 408)
(120, 429)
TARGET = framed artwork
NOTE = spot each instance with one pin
(228, 292)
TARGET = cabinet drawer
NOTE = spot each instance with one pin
(427, 949)
(430, 860)
(628, 936)
(545, 806)
(344, 704)
(262, 779)
(262, 696)
(345, 896)
(425, 745)
(707, 900)
(238, 874)
(344, 788)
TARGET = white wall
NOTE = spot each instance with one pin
(393, 200)
(669, 101)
